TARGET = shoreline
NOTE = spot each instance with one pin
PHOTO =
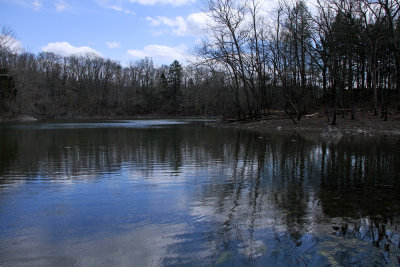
(28, 118)
(363, 124)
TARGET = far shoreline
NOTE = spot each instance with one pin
(365, 124)
(28, 118)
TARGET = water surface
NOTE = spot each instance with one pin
(165, 192)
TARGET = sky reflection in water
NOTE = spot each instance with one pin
(95, 194)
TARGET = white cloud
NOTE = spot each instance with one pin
(163, 54)
(113, 44)
(194, 24)
(60, 5)
(65, 49)
(10, 43)
(197, 23)
(178, 25)
(119, 3)
(120, 9)
(165, 2)
(37, 4)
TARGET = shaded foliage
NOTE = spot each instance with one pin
(54, 86)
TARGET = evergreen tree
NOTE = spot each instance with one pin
(174, 83)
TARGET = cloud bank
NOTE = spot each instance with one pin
(195, 24)
(163, 54)
(65, 49)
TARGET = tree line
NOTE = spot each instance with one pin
(49, 85)
(340, 56)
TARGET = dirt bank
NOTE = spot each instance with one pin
(363, 124)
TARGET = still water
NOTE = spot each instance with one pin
(163, 192)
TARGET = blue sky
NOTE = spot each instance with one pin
(123, 30)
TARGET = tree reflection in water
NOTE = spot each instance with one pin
(249, 198)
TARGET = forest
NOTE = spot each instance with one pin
(327, 56)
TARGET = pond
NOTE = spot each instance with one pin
(173, 192)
